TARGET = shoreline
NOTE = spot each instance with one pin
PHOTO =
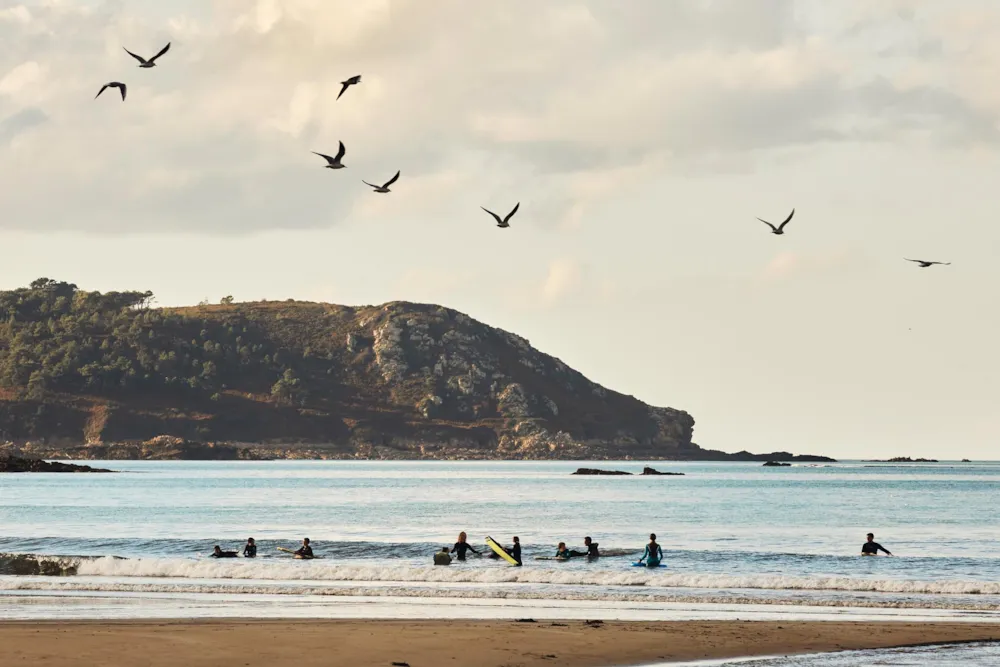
(312, 643)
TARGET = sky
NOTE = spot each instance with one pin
(642, 140)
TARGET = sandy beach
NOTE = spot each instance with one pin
(468, 644)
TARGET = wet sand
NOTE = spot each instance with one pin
(360, 643)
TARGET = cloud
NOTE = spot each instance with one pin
(787, 265)
(565, 277)
(19, 122)
(554, 101)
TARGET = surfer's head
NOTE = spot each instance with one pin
(586, 541)
(218, 549)
(462, 536)
(250, 540)
(652, 537)
(444, 550)
(871, 536)
(305, 540)
(517, 540)
(562, 545)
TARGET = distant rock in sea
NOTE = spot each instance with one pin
(653, 471)
(15, 464)
(903, 459)
(597, 471)
(777, 464)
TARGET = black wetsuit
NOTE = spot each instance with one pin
(872, 548)
(250, 551)
(515, 552)
(305, 552)
(460, 548)
(225, 554)
(591, 551)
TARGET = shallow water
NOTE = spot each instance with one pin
(733, 533)
(955, 655)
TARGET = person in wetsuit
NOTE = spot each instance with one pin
(871, 547)
(562, 551)
(250, 550)
(219, 553)
(515, 551)
(442, 557)
(305, 551)
(653, 554)
(461, 546)
(591, 551)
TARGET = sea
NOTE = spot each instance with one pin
(740, 541)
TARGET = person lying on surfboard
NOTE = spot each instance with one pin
(562, 551)
(653, 554)
(591, 551)
(219, 553)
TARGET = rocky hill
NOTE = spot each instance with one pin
(90, 375)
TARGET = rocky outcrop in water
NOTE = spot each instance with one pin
(597, 471)
(15, 464)
(777, 464)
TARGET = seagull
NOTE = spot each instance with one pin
(146, 64)
(503, 223)
(334, 162)
(383, 188)
(114, 84)
(924, 264)
(347, 84)
(780, 229)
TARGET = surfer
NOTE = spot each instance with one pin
(562, 551)
(442, 557)
(591, 551)
(653, 554)
(515, 551)
(461, 546)
(219, 553)
(250, 550)
(305, 551)
(871, 547)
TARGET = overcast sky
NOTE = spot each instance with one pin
(642, 139)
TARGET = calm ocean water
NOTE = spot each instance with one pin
(738, 538)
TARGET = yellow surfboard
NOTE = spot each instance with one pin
(499, 550)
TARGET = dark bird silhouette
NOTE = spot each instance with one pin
(334, 162)
(506, 220)
(152, 61)
(780, 229)
(924, 264)
(354, 80)
(383, 188)
(114, 84)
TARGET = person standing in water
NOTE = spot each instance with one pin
(591, 551)
(515, 551)
(305, 551)
(653, 554)
(250, 550)
(442, 557)
(871, 547)
(461, 546)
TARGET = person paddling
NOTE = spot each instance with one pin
(591, 551)
(219, 553)
(250, 550)
(305, 551)
(653, 554)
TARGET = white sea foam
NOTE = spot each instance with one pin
(321, 571)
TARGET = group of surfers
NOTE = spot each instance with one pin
(651, 557)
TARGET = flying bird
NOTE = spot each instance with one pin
(505, 222)
(114, 84)
(354, 80)
(924, 264)
(334, 162)
(383, 188)
(780, 229)
(152, 61)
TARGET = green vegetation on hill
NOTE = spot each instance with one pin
(110, 376)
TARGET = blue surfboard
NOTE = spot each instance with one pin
(646, 566)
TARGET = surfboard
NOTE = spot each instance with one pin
(549, 558)
(646, 566)
(499, 550)
(297, 557)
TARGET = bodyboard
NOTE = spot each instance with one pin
(499, 550)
